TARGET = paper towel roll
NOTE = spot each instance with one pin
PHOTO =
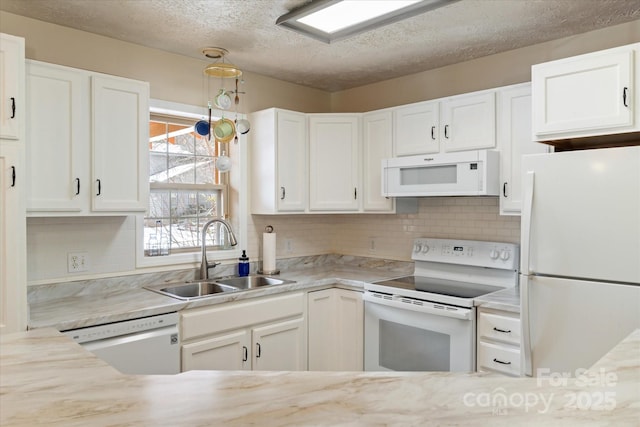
(268, 252)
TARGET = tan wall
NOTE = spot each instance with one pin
(172, 77)
(484, 73)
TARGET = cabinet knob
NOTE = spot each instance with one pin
(282, 192)
(13, 107)
(504, 189)
(245, 353)
(624, 96)
(433, 133)
(258, 350)
(77, 186)
(99, 187)
(13, 176)
(446, 131)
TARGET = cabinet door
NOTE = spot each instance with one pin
(583, 95)
(469, 122)
(334, 162)
(13, 280)
(416, 129)
(350, 333)
(228, 351)
(292, 161)
(514, 141)
(322, 330)
(120, 144)
(58, 135)
(377, 139)
(11, 86)
(280, 346)
(336, 330)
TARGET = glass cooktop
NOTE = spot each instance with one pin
(440, 286)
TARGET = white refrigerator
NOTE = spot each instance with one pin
(580, 256)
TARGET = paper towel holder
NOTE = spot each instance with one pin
(268, 229)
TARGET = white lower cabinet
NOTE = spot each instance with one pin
(336, 330)
(260, 334)
(498, 342)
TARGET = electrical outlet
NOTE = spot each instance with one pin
(77, 262)
(372, 245)
(288, 246)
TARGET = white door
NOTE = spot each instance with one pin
(377, 139)
(291, 161)
(229, 351)
(12, 102)
(58, 132)
(13, 255)
(416, 129)
(514, 141)
(322, 330)
(350, 330)
(334, 161)
(468, 122)
(120, 126)
(584, 94)
(280, 346)
(581, 213)
(573, 323)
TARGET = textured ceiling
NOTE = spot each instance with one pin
(460, 31)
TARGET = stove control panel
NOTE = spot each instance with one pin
(467, 252)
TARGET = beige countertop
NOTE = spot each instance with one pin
(46, 379)
(92, 305)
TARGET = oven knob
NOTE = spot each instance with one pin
(417, 248)
(505, 255)
(494, 254)
(425, 249)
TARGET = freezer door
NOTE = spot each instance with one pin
(581, 214)
(570, 324)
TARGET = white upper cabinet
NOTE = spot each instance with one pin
(416, 128)
(278, 151)
(59, 132)
(457, 123)
(120, 144)
(334, 162)
(12, 68)
(514, 141)
(468, 122)
(87, 142)
(377, 137)
(587, 95)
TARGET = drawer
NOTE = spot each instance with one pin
(498, 358)
(499, 327)
(204, 321)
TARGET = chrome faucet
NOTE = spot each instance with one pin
(205, 265)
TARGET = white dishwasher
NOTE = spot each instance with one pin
(148, 345)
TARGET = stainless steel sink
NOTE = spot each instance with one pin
(207, 288)
(192, 290)
(251, 282)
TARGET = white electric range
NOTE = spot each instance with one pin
(427, 321)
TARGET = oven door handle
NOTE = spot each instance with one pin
(418, 305)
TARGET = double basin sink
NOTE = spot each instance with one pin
(206, 288)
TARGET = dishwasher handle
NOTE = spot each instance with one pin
(421, 306)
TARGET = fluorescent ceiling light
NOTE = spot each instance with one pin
(332, 20)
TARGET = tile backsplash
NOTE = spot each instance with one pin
(110, 241)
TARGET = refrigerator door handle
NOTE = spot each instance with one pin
(527, 211)
(526, 359)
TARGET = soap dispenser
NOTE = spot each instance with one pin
(243, 264)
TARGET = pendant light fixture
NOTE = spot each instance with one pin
(220, 68)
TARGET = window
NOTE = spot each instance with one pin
(186, 189)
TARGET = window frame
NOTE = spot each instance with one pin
(237, 210)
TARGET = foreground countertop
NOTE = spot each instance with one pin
(47, 379)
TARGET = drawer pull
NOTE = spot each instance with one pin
(504, 331)
(501, 362)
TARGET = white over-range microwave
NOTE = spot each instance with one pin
(466, 173)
